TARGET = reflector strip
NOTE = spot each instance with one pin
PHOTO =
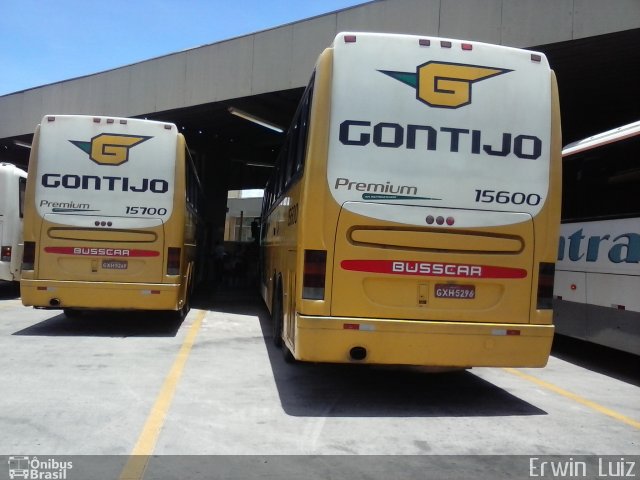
(349, 39)
(503, 332)
(101, 252)
(358, 326)
(428, 269)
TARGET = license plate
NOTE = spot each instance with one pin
(115, 264)
(455, 291)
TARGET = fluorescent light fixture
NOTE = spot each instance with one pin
(256, 120)
(19, 143)
(259, 164)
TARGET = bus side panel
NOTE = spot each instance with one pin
(318, 212)
(611, 327)
(31, 223)
(548, 220)
(597, 284)
(280, 257)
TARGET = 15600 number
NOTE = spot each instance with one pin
(516, 198)
(146, 211)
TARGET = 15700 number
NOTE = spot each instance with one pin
(146, 211)
(516, 198)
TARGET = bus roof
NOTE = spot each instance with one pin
(620, 133)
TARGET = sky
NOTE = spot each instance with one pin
(44, 41)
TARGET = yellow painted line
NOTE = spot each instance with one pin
(576, 398)
(139, 458)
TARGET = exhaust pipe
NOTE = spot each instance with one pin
(54, 302)
(358, 353)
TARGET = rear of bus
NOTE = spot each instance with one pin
(12, 187)
(437, 232)
(104, 220)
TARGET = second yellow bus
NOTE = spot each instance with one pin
(110, 216)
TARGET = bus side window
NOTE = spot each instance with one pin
(602, 182)
(303, 129)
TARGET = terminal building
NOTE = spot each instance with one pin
(215, 92)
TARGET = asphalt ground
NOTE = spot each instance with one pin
(137, 395)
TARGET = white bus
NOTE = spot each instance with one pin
(597, 285)
(12, 186)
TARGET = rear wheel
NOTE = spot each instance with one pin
(181, 313)
(287, 355)
(277, 317)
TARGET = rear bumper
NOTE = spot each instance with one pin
(99, 295)
(6, 273)
(402, 342)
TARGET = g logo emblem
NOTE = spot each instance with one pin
(110, 148)
(445, 85)
(448, 85)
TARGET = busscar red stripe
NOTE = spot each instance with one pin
(101, 252)
(432, 269)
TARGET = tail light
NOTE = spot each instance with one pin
(173, 261)
(28, 255)
(545, 285)
(315, 268)
(5, 254)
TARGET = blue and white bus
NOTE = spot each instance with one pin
(597, 284)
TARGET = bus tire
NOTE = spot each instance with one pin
(277, 316)
(287, 355)
(182, 313)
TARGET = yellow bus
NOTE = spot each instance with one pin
(414, 210)
(110, 216)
